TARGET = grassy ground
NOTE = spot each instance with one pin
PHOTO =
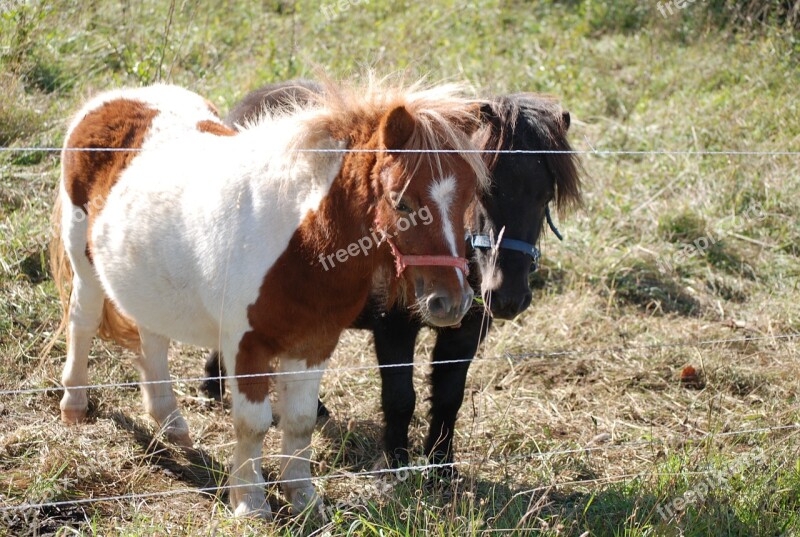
(669, 248)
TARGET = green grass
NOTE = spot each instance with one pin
(637, 268)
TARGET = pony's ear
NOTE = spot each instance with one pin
(486, 112)
(565, 119)
(396, 128)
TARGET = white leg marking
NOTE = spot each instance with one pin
(442, 192)
(297, 400)
(250, 422)
(85, 309)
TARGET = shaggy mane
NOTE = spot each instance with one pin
(542, 116)
(443, 115)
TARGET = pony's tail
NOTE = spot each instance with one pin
(114, 326)
(61, 272)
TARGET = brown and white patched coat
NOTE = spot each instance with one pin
(173, 227)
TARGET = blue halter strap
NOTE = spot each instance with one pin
(485, 242)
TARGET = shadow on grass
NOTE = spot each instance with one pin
(396, 505)
(616, 510)
(642, 285)
(626, 509)
(355, 445)
(195, 467)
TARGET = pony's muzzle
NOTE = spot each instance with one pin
(443, 309)
(509, 306)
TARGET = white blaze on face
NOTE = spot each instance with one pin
(443, 191)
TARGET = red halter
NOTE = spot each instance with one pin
(402, 261)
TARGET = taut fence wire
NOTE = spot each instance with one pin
(344, 474)
(593, 151)
(507, 357)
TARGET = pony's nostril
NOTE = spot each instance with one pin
(508, 307)
(444, 309)
(499, 304)
(438, 306)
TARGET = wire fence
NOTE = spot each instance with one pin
(593, 151)
(418, 468)
(501, 458)
(507, 357)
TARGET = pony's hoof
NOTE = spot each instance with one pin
(73, 416)
(212, 388)
(73, 408)
(243, 510)
(444, 482)
(176, 431)
(304, 498)
(250, 504)
(322, 410)
(181, 439)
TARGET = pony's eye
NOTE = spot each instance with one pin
(398, 202)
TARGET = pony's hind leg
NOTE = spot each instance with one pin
(214, 385)
(297, 395)
(85, 311)
(159, 399)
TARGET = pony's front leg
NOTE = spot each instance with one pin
(395, 335)
(157, 394)
(252, 417)
(298, 390)
(448, 380)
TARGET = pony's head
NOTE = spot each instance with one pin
(522, 188)
(424, 173)
(421, 210)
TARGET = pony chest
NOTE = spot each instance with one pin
(297, 294)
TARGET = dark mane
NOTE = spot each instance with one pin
(283, 95)
(543, 123)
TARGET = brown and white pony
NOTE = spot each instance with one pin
(174, 227)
